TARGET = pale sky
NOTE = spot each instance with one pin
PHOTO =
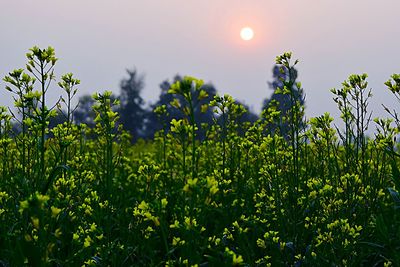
(97, 40)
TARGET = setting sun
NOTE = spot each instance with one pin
(247, 33)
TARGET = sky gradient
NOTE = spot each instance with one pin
(97, 40)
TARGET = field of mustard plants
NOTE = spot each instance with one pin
(245, 195)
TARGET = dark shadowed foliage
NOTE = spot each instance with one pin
(248, 116)
(59, 118)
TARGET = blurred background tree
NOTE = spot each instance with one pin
(140, 121)
(131, 110)
(84, 112)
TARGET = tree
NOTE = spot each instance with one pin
(131, 109)
(58, 118)
(84, 112)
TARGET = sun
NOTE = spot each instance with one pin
(247, 33)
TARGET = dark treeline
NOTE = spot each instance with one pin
(142, 122)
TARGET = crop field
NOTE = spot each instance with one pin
(285, 190)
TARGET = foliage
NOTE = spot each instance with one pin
(175, 106)
(287, 93)
(243, 195)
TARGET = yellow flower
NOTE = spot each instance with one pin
(237, 260)
(164, 203)
(35, 222)
(155, 220)
(203, 94)
(42, 198)
(55, 211)
(93, 227)
(204, 108)
(143, 205)
(381, 193)
(261, 243)
(214, 190)
(28, 238)
(387, 264)
(175, 241)
(87, 242)
(192, 182)
(90, 262)
(175, 225)
(186, 188)
(75, 236)
(3, 195)
(58, 232)
(148, 215)
(23, 205)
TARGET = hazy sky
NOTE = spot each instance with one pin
(98, 39)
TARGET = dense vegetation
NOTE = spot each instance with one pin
(282, 191)
(140, 120)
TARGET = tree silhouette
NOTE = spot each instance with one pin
(131, 110)
(57, 119)
(84, 112)
(248, 116)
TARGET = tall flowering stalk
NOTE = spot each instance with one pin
(188, 88)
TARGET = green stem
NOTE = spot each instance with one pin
(43, 120)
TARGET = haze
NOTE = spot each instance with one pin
(97, 40)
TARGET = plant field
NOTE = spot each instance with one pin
(283, 191)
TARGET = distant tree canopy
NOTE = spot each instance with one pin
(84, 113)
(248, 116)
(143, 122)
(154, 122)
(131, 110)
